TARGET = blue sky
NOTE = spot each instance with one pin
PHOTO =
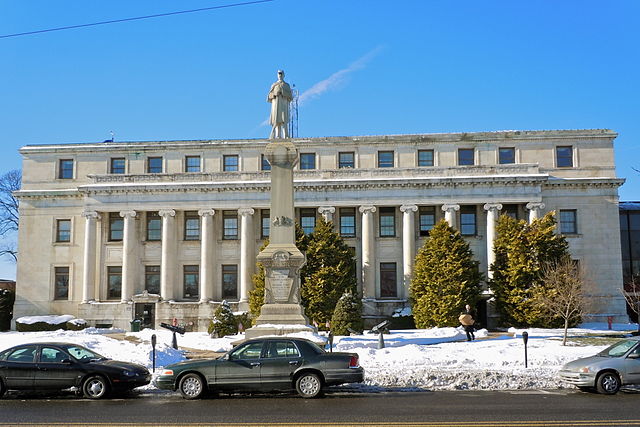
(367, 67)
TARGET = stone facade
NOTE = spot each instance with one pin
(101, 223)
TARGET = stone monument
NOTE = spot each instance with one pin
(282, 312)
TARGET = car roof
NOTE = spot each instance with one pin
(53, 343)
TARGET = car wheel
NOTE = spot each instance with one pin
(309, 385)
(192, 386)
(2, 389)
(95, 387)
(608, 383)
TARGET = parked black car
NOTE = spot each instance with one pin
(264, 364)
(59, 366)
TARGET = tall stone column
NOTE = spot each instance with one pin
(247, 258)
(450, 214)
(207, 265)
(492, 216)
(327, 212)
(168, 260)
(534, 210)
(129, 260)
(368, 252)
(89, 272)
(408, 244)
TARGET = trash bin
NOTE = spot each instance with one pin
(135, 325)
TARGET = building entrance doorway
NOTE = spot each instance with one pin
(145, 312)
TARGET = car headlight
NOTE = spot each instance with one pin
(584, 370)
(166, 372)
(128, 373)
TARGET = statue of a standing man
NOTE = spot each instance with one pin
(279, 96)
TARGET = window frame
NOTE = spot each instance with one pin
(347, 213)
(153, 217)
(391, 273)
(420, 161)
(264, 163)
(461, 158)
(191, 217)
(345, 164)
(469, 210)
(232, 271)
(387, 212)
(425, 211)
(115, 170)
(230, 215)
(114, 217)
(501, 158)
(114, 271)
(573, 222)
(306, 213)
(58, 272)
(190, 271)
(386, 164)
(66, 172)
(564, 157)
(187, 166)
(305, 164)
(229, 166)
(265, 217)
(60, 231)
(151, 168)
(148, 273)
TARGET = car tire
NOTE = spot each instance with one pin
(309, 385)
(608, 383)
(586, 389)
(192, 386)
(95, 387)
(2, 389)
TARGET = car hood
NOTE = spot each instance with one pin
(191, 363)
(575, 365)
(120, 365)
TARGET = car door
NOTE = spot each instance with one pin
(632, 366)
(240, 369)
(55, 369)
(19, 368)
(280, 360)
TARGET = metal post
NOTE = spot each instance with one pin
(380, 340)
(153, 350)
(525, 338)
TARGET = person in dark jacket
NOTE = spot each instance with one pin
(467, 319)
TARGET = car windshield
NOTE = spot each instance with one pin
(618, 349)
(84, 354)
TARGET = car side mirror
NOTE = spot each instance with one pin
(66, 361)
(634, 356)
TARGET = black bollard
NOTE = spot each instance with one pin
(380, 340)
(525, 338)
(153, 350)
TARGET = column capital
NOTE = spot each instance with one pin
(408, 208)
(205, 212)
(166, 212)
(535, 205)
(246, 211)
(367, 209)
(450, 207)
(326, 209)
(128, 214)
(91, 214)
(493, 206)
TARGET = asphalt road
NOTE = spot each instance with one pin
(459, 408)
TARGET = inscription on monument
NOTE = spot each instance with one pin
(280, 284)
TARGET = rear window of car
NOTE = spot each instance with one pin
(3, 354)
(24, 354)
(315, 348)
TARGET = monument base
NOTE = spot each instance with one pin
(278, 330)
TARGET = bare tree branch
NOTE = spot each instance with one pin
(9, 215)
(631, 293)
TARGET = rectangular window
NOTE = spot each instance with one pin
(465, 157)
(564, 157)
(468, 220)
(229, 282)
(506, 155)
(348, 222)
(191, 225)
(230, 225)
(265, 222)
(116, 227)
(154, 227)
(387, 220)
(63, 230)
(385, 159)
(425, 157)
(65, 169)
(266, 166)
(510, 210)
(192, 164)
(230, 163)
(191, 281)
(114, 282)
(427, 219)
(154, 165)
(61, 290)
(307, 161)
(152, 279)
(388, 280)
(568, 221)
(117, 165)
(346, 160)
(308, 220)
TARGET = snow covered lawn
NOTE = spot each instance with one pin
(433, 359)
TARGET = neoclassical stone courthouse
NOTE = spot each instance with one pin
(167, 229)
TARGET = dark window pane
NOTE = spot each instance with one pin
(114, 282)
(307, 161)
(266, 166)
(66, 169)
(427, 220)
(191, 226)
(568, 224)
(63, 230)
(192, 164)
(117, 166)
(506, 155)
(229, 281)
(468, 220)
(230, 163)
(152, 279)
(348, 222)
(385, 159)
(510, 210)
(154, 165)
(387, 222)
(465, 157)
(230, 225)
(308, 220)
(154, 226)
(61, 290)
(116, 227)
(266, 223)
(191, 281)
(425, 157)
(564, 157)
(388, 280)
(346, 160)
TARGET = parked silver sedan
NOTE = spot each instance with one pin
(607, 371)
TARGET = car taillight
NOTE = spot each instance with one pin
(167, 372)
(353, 363)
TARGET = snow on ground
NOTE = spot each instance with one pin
(434, 359)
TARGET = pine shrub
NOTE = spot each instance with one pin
(347, 315)
(224, 322)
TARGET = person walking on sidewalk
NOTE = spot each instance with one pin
(467, 320)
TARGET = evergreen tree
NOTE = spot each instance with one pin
(224, 322)
(256, 295)
(521, 251)
(347, 315)
(445, 278)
